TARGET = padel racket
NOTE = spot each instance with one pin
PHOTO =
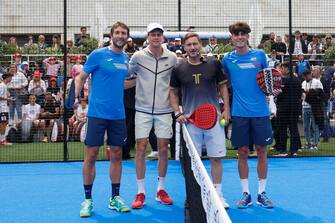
(70, 94)
(269, 80)
(204, 116)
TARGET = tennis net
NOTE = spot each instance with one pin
(202, 202)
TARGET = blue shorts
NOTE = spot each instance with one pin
(96, 128)
(251, 131)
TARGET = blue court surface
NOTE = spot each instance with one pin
(302, 190)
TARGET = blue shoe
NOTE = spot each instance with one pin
(245, 201)
(264, 201)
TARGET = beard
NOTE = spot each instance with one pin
(119, 43)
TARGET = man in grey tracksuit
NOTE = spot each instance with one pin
(152, 66)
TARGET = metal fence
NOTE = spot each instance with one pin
(38, 31)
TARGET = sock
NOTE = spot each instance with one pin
(261, 185)
(2, 138)
(160, 185)
(140, 185)
(88, 191)
(115, 190)
(245, 185)
(218, 189)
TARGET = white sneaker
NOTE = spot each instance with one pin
(153, 154)
(224, 203)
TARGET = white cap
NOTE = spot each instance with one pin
(25, 63)
(129, 39)
(153, 26)
(177, 39)
(179, 51)
(106, 40)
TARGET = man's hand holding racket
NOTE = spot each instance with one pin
(204, 117)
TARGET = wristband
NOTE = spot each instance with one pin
(178, 114)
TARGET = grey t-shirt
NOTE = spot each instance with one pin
(198, 83)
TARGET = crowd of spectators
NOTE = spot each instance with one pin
(37, 87)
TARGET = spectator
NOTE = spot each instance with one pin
(37, 87)
(279, 46)
(17, 60)
(17, 89)
(52, 66)
(30, 42)
(287, 42)
(12, 42)
(170, 44)
(272, 61)
(105, 42)
(314, 48)
(180, 56)
(301, 66)
(82, 36)
(30, 118)
(326, 84)
(177, 45)
(130, 47)
(41, 42)
(268, 43)
(38, 66)
(69, 44)
(24, 68)
(54, 89)
(298, 45)
(305, 38)
(327, 43)
(288, 111)
(309, 84)
(80, 116)
(49, 112)
(77, 67)
(4, 99)
(212, 46)
(56, 42)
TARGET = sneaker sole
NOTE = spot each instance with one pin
(138, 207)
(159, 200)
(244, 207)
(114, 208)
(85, 215)
(260, 204)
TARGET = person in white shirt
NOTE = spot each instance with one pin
(308, 117)
(17, 89)
(80, 114)
(4, 99)
(30, 115)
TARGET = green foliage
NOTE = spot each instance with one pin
(88, 45)
(329, 59)
(8, 49)
(222, 49)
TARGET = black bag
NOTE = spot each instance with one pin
(13, 135)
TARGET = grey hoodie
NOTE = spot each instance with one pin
(153, 80)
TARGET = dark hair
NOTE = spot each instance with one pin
(306, 72)
(83, 27)
(6, 75)
(119, 24)
(190, 35)
(285, 64)
(239, 27)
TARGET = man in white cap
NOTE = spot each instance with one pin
(152, 66)
(178, 45)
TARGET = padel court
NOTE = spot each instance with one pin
(302, 190)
